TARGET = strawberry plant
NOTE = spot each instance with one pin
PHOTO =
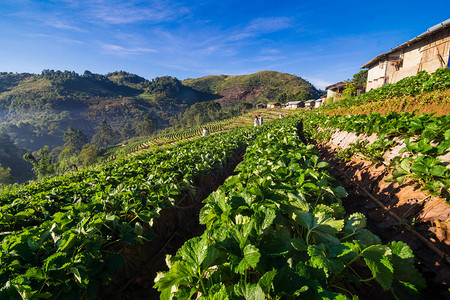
(425, 136)
(414, 85)
(277, 230)
(57, 235)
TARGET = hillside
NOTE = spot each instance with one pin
(35, 110)
(261, 87)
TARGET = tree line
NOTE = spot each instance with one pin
(77, 152)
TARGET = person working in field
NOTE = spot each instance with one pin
(256, 121)
(260, 120)
(205, 132)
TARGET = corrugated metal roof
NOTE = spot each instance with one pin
(418, 38)
(293, 102)
(336, 85)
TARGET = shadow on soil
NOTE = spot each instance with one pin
(434, 269)
(175, 226)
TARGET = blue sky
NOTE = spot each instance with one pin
(321, 41)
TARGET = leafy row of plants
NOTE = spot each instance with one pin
(165, 138)
(278, 230)
(409, 86)
(57, 236)
(426, 138)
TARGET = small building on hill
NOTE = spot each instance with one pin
(318, 103)
(310, 103)
(335, 90)
(428, 51)
(274, 105)
(261, 105)
(294, 104)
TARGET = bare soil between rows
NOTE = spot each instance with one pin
(429, 216)
(175, 226)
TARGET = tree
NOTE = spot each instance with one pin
(128, 131)
(66, 160)
(302, 95)
(360, 79)
(105, 135)
(201, 113)
(5, 176)
(74, 138)
(282, 97)
(88, 155)
(42, 162)
(147, 126)
(349, 90)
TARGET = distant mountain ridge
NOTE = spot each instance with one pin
(36, 109)
(264, 86)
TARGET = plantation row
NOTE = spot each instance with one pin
(56, 236)
(410, 86)
(173, 137)
(166, 138)
(278, 230)
(426, 138)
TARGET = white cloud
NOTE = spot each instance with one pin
(122, 51)
(267, 25)
(261, 26)
(120, 12)
(54, 37)
(62, 25)
(269, 51)
(319, 82)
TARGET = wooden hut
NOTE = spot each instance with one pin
(428, 51)
(274, 105)
(294, 104)
(335, 90)
(310, 103)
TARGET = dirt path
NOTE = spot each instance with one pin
(429, 216)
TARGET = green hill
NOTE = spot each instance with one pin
(264, 86)
(36, 109)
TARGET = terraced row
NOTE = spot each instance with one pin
(278, 230)
(56, 236)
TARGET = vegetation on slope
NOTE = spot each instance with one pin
(271, 85)
(62, 237)
(411, 91)
(278, 230)
(426, 139)
(48, 103)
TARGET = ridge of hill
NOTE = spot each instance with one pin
(264, 86)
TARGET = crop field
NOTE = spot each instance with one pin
(277, 228)
(425, 137)
(193, 133)
(56, 235)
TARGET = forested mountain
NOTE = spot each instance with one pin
(36, 109)
(264, 86)
(64, 119)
